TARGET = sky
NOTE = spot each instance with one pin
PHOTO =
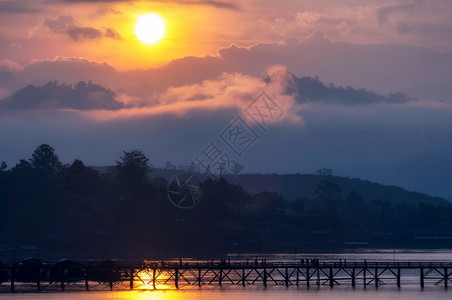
(222, 85)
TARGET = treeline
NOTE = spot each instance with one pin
(74, 211)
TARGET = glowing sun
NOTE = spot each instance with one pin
(150, 28)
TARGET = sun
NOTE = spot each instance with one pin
(150, 28)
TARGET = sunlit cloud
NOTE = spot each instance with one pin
(229, 91)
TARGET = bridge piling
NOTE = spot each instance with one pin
(421, 274)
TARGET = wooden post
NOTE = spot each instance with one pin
(331, 277)
(62, 280)
(13, 276)
(298, 276)
(86, 281)
(265, 277)
(364, 276)
(376, 276)
(132, 271)
(176, 278)
(221, 276)
(199, 276)
(243, 276)
(422, 277)
(153, 277)
(307, 277)
(287, 277)
(446, 277)
(398, 276)
(318, 276)
(353, 278)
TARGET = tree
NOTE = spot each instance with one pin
(325, 172)
(3, 166)
(80, 179)
(133, 167)
(329, 194)
(45, 160)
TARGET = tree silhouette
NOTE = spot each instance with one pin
(325, 172)
(45, 160)
(329, 194)
(133, 167)
(80, 178)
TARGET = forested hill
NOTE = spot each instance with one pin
(293, 186)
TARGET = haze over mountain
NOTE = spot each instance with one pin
(380, 109)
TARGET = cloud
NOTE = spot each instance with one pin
(52, 96)
(18, 6)
(3, 93)
(383, 69)
(93, 1)
(7, 80)
(66, 70)
(229, 91)
(384, 12)
(103, 11)
(212, 3)
(9, 65)
(66, 24)
(83, 33)
(60, 24)
(217, 4)
(112, 34)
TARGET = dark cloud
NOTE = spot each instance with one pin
(83, 33)
(7, 79)
(60, 24)
(384, 69)
(336, 20)
(82, 96)
(68, 70)
(102, 11)
(219, 4)
(112, 34)
(18, 6)
(384, 12)
(403, 28)
(66, 24)
(426, 29)
(93, 1)
(212, 3)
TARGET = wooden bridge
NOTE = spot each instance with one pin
(177, 274)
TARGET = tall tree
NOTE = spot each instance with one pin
(133, 167)
(45, 160)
